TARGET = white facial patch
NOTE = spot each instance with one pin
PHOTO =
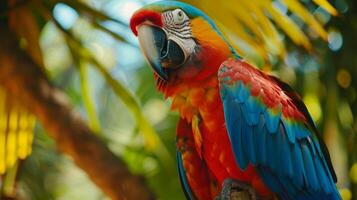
(178, 29)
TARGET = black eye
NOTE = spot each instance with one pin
(180, 13)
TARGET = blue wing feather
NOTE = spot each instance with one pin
(324, 181)
(271, 153)
(242, 93)
(271, 180)
(289, 131)
(310, 172)
(252, 109)
(260, 142)
(285, 152)
(298, 164)
(234, 124)
(183, 178)
(248, 143)
(272, 121)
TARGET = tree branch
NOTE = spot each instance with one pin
(24, 80)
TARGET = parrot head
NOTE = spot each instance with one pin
(179, 41)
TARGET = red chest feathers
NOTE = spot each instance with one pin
(202, 109)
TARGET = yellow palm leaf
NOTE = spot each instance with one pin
(254, 24)
(16, 132)
(245, 17)
(229, 20)
(267, 28)
(327, 6)
(3, 125)
(307, 17)
(244, 42)
(285, 23)
(16, 124)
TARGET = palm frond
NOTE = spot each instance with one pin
(327, 6)
(16, 132)
(256, 24)
(86, 10)
(88, 102)
(16, 124)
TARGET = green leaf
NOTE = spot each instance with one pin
(94, 123)
(86, 10)
(152, 140)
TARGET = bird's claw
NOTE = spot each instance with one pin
(236, 190)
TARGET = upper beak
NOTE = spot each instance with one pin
(161, 53)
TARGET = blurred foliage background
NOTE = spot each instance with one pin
(88, 51)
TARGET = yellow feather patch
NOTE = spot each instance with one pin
(197, 134)
(195, 96)
(206, 35)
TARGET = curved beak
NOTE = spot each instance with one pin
(161, 53)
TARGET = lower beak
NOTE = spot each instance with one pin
(161, 53)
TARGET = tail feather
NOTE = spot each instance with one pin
(286, 190)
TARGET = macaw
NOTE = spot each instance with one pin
(238, 127)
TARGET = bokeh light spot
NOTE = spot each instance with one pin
(345, 114)
(343, 78)
(156, 110)
(281, 7)
(322, 15)
(335, 40)
(65, 15)
(313, 105)
(353, 173)
(345, 194)
(341, 6)
(150, 165)
(123, 9)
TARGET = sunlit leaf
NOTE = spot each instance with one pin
(16, 132)
(306, 16)
(94, 123)
(88, 11)
(153, 142)
(286, 24)
(111, 33)
(256, 24)
(327, 6)
(346, 194)
(16, 125)
(9, 180)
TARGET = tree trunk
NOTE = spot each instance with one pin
(24, 80)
